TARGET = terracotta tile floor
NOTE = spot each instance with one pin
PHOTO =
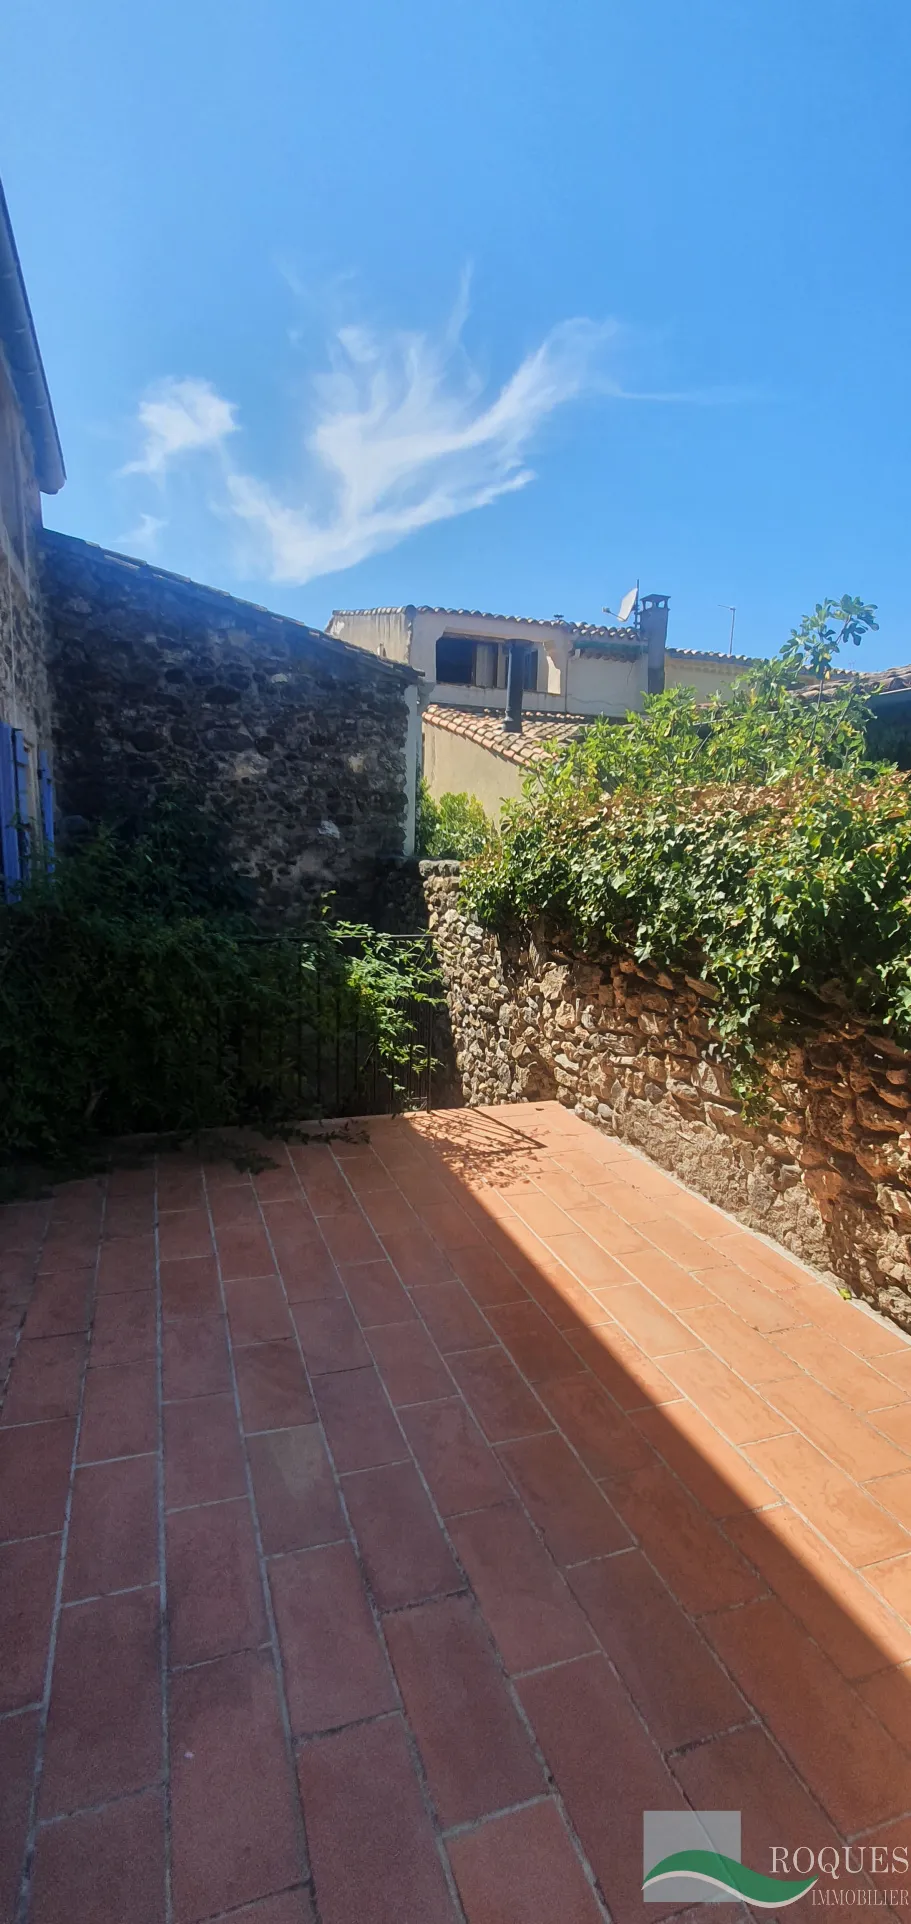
(380, 1535)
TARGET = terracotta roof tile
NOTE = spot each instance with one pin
(485, 727)
(881, 681)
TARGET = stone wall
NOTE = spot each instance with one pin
(304, 748)
(24, 701)
(828, 1174)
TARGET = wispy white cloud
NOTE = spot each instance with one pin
(403, 437)
(402, 431)
(180, 417)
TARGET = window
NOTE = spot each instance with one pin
(455, 660)
(464, 663)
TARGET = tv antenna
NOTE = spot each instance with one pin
(627, 607)
(733, 614)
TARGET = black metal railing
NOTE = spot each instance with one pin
(317, 1043)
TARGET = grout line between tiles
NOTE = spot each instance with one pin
(490, 1816)
(91, 1810)
(215, 1917)
(99, 1462)
(103, 1596)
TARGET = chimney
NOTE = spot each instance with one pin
(653, 629)
(515, 681)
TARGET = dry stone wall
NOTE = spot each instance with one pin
(827, 1173)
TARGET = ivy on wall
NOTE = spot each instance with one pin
(752, 842)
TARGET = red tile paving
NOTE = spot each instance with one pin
(381, 1535)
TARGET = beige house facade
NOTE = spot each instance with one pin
(568, 668)
(467, 751)
(571, 672)
(706, 673)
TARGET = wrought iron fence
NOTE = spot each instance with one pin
(318, 1047)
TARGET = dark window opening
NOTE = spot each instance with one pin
(455, 660)
(463, 662)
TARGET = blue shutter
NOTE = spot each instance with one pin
(9, 838)
(24, 824)
(46, 788)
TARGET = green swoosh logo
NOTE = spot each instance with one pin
(728, 1874)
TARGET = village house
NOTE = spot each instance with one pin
(473, 660)
(496, 689)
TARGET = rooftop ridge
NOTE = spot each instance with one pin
(870, 681)
(485, 614)
(712, 654)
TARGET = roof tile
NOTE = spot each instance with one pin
(484, 726)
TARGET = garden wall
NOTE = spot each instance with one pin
(828, 1174)
(305, 748)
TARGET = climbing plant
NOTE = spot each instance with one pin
(752, 842)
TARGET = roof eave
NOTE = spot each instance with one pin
(20, 342)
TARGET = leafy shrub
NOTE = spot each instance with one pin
(455, 828)
(136, 993)
(751, 842)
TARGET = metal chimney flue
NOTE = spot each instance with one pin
(653, 629)
(515, 682)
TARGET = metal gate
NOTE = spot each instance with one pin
(320, 1050)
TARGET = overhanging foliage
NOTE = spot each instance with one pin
(751, 842)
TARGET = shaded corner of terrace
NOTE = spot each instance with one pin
(387, 1524)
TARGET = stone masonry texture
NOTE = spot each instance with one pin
(826, 1172)
(295, 741)
(24, 698)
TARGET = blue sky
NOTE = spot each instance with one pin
(496, 305)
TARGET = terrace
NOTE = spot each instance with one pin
(384, 1532)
